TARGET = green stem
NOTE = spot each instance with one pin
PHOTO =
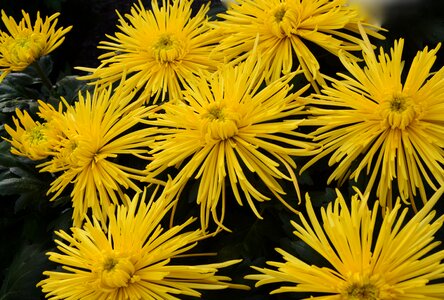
(42, 75)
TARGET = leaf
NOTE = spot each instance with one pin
(15, 186)
(24, 273)
(68, 87)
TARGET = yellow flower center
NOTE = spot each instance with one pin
(24, 49)
(283, 21)
(220, 123)
(398, 111)
(279, 14)
(115, 271)
(362, 292)
(168, 48)
(36, 135)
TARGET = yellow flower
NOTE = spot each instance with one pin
(30, 138)
(393, 261)
(376, 122)
(284, 27)
(133, 259)
(26, 43)
(96, 134)
(227, 126)
(158, 49)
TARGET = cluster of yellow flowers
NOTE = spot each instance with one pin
(214, 101)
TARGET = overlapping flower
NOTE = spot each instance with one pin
(373, 120)
(286, 28)
(26, 43)
(226, 128)
(395, 261)
(158, 49)
(132, 258)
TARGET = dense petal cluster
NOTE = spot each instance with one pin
(376, 122)
(83, 144)
(133, 259)
(396, 261)
(95, 132)
(26, 43)
(284, 27)
(31, 138)
(158, 49)
(227, 128)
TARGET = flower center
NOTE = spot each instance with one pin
(283, 21)
(398, 111)
(220, 123)
(37, 135)
(362, 292)
(24, 49)
(279, 14)
(115, 272)
(168, 48)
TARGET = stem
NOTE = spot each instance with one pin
(42, 75)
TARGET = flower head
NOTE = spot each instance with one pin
(133, 259)
(30, 138)
(284, 27)
(25, 43)
(394, 261)
(226, 129)
(94, 134)
(158, 49)
(374, 120)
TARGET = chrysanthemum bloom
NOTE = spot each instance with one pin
(284, 27)
(31, 138)
(158, 49)
(133, 259)
(371, 121)
(95, 133)
(229, 126)
(25, 43)
(393, 261)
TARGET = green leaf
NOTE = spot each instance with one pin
(24, 273)
(68, 87)
(14, 186)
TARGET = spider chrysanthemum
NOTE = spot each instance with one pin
(394, 261)
(159, 49)
(229, 128)
(135, 258)
(286, 28)
(32, 139)
(96, 133)
(26, 43)
(377, 122)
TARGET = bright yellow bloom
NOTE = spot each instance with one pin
(284, 27)
(96, 134)
(230, 127)
(133, 259)
(393, 261)
(26, 43)
(371, 121)
(30, 138)
(158, 49)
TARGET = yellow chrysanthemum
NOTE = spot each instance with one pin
(396, 261)
(284, 27)
(159, 49)
(228, 126)
(30, 138)
(371, 120)
(133, 259)
(94, 133)
(26, 43)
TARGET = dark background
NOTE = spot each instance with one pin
(25, 236)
